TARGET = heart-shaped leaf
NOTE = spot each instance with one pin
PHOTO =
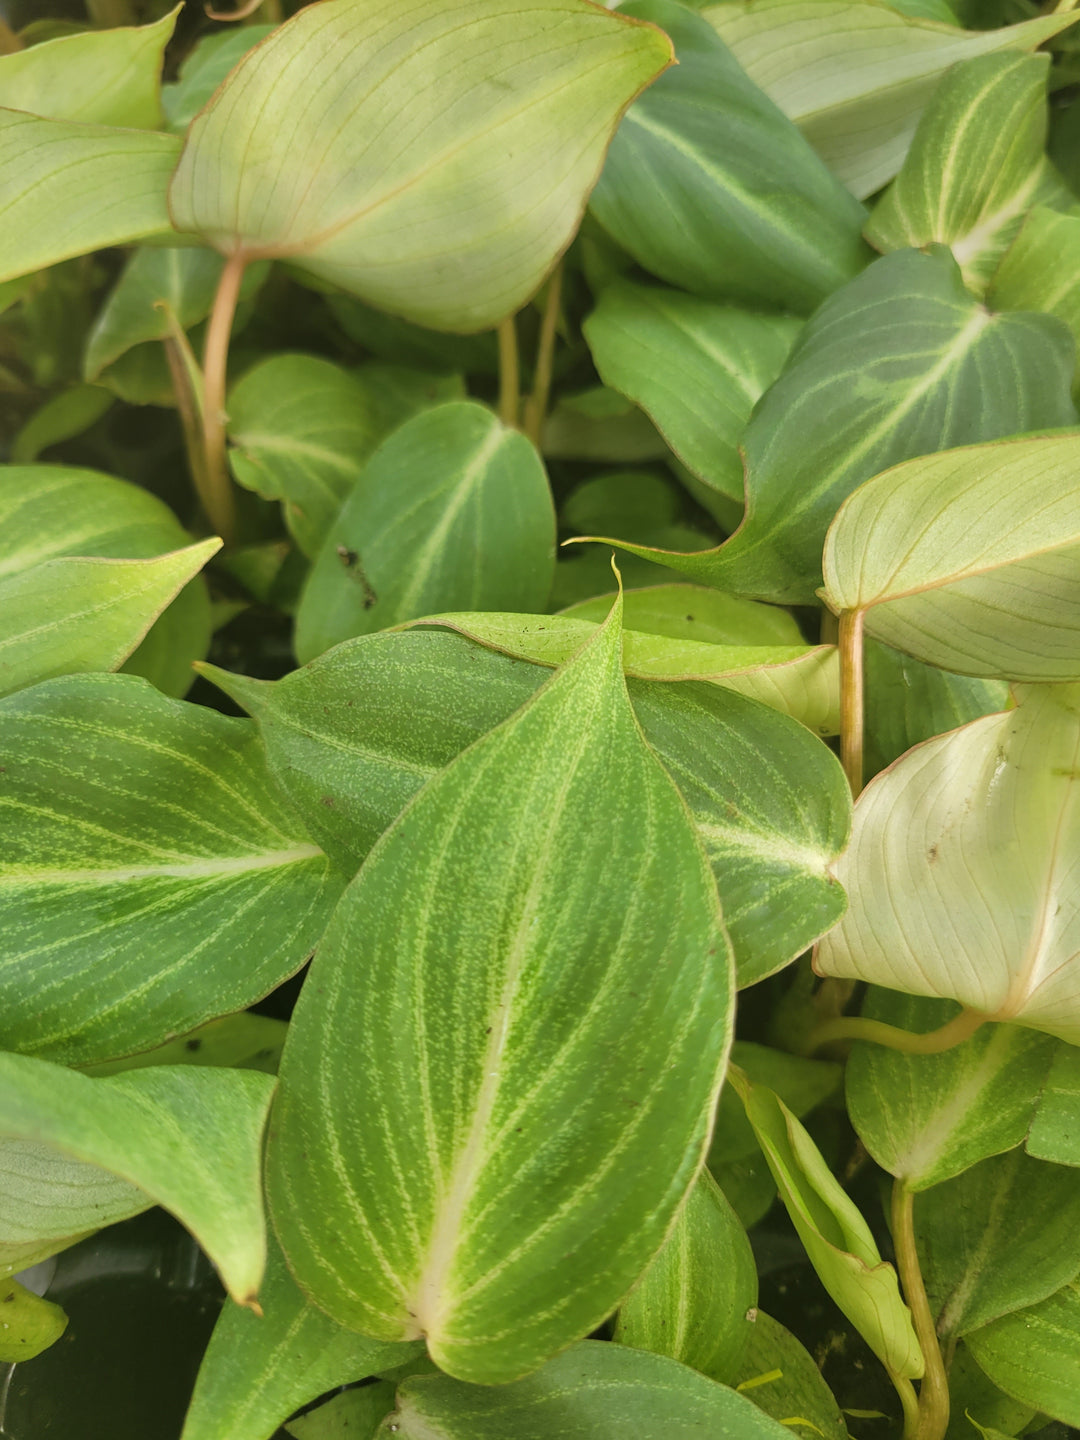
(258, 1369)
(191, 1139)
(708, 185)
(345, 141)
(536, 1179)
(153, 875)
(453, 509)
(963, 866)
(987, 580)
(855, 77)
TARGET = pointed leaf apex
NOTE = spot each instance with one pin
(244, 689)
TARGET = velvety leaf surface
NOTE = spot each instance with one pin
(855, 77)
(692, 1301)
(504, 1184)
(988, 581)
(452, 511)
(708, 185)
(53, 174)
(153, 876)
(1041, 269)
(696, 368)
(104, 77)
(1055, 1130)
(1034, 1354)
(904, 361)
(794, 1386)
(595, 1391)
(926, 1118)
(258, 1369)
(975, 164)
(997, 1239)
(30, 1324)
(346, 141)
(191, 1139)
(963, 867)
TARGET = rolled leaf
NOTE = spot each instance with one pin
(987, 580)
(941, 903)
(345, 141)
(536, 1179)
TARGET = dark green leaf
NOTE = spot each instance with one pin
(794, 1391)
(1034, 1355)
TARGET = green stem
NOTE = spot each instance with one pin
(219, 500)
(933, 1418)
(856, 1027)
(851, 698)
(910, 1402)
(187, 409)
(537, 403)
(509, 373)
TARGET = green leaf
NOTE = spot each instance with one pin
(697, 369)
(907, 702)
(747, 1185)
(353, 1415)
(1034, 1355)
(338, 741)
(182, 279)
(975, 164)
(800, 1083)
(72, 615)
(452, 510)
(940, 903)
(258, 1369)
(636, 501)
(904, 362)
(697, 613)
(974, 1398)
(986, 581)
(1041, 269)
(997, 1239)
(799, 680)
(504, 1184)
(926, 1118)
(600, 424)
(833, 1232)
(594, 1391)
(204, 68)
(154, 877)
(245, 1039)
(416, 106)
(62, 417)
(1055, 1130)
(28, 1325)
(692, 1301)
(797, 1390)
(53, 175)
(708, 185)
(191, 1139)
(178, 637)
(102, 77)
(855, 77)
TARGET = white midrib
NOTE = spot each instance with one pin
(968, 247)
(764, 846)
(951, 1116)
(205, 869)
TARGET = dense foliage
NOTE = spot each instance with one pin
(640, 1085)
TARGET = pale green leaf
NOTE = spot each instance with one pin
(798, 1390)
(355, 734)
(353, 1415)
(1041, 269)
(101, 77)
(926, 1118)
(692, 1303)
(802, 1085)
(1055, 1130)
(594, 1391)
(28, 1325)
(708, 185)
(203, 70)
(855, 75)
(153, 876)
(67, 616)
(53, 177)
(904, 362)
(191, 1139)
(696, 368)
(346, 140)
(987, 579)
(502, 1184)
(997, 1239)
(834, 1234)
(963, 867)
(258, 1369)
(696, 613)
(1034, 1355)
(452, 511)
(975, 164)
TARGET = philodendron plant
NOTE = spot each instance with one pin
(309, 355)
